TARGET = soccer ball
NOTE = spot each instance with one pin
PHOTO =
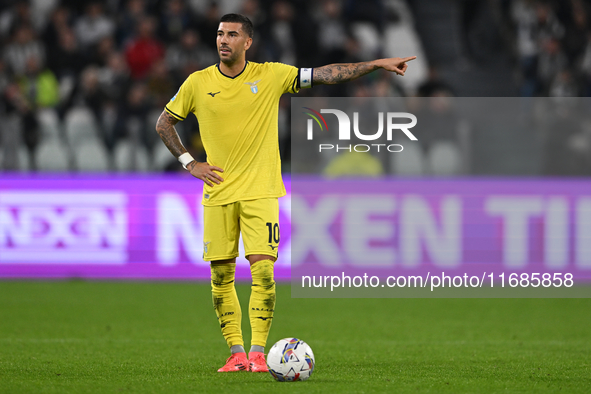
(290, 359)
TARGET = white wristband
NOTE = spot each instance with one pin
(185, 159)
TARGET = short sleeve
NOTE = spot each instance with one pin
(288, 77)
(183, 102)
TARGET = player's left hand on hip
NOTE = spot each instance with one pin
(205, 172)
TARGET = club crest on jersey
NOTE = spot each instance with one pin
(253, 86)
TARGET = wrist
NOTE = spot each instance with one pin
(185, 159)
(378, 63)
(190, 166)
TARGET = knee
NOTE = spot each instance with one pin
(222, 273)
(262, 275)
(253, 258)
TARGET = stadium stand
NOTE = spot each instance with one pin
(52, 155)
(71, 70)
(130, 157)
(80, 126)
(49, 123)
(411, 164)
(445, 159)
(92, 155)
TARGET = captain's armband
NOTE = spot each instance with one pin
(305, 77)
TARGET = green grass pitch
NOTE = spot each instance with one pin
(95, 337)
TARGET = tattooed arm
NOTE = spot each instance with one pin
(344, 72)
(170, 137)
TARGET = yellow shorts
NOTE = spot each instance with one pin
(257, 220)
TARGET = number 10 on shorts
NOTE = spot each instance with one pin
(273, 232)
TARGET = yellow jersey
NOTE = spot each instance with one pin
(238, 124)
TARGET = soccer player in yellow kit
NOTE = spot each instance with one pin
(236, 103)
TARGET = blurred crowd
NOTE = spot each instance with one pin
(107, 69)
(552, 46)
(552, 43)
(83, 82)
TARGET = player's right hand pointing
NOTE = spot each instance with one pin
(205, 172)
(396, 64)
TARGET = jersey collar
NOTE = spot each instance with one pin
(234, 77)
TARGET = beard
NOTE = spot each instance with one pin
(231, 59)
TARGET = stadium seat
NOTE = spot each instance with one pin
(80, 126)
(52, 155)
(400, 40)
(445, 158)
(14, 160)
(49, 123)
(19, 163)
(131, 157)
(92, 156)
(162, 157)
(409, 162)
(151, 138)
(10, 140)
(67, 85)
(401, 9)
(367, 34)
(23, 159)
(153, 117)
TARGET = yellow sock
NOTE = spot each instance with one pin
(225, 302)
(262, 301)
